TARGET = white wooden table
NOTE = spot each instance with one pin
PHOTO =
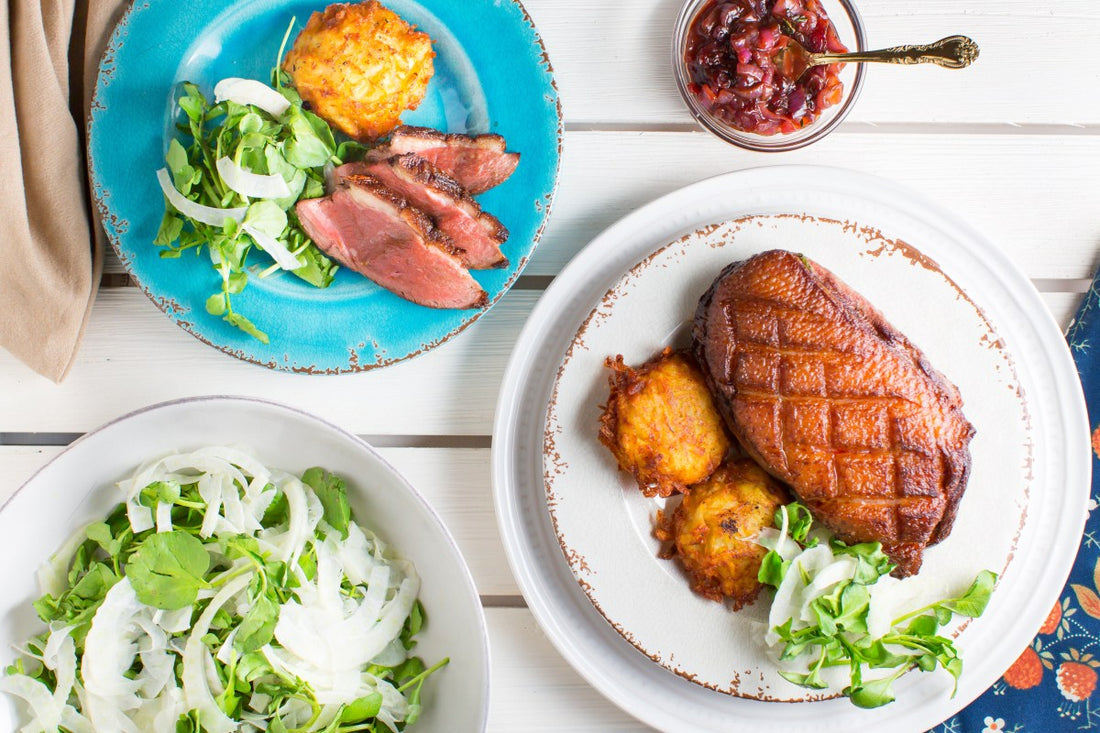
(1012, 144)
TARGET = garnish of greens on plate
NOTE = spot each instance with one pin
(246, 158)
(828, 611)
(222, 595)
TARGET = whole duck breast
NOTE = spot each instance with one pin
(834, 401)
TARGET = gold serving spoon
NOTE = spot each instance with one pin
(953, 52)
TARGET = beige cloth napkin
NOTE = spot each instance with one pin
(51, 248)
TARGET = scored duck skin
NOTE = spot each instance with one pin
(831, 399)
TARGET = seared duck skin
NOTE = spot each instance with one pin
(832, 400)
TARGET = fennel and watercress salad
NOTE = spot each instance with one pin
(231, 185)
(832, 609)
(222, 596)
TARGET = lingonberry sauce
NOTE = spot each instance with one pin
(733, 49)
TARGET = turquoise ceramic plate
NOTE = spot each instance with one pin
(492, 75)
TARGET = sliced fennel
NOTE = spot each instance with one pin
(224, 596)
(832, 608)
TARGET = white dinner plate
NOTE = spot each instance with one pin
(78, 486)
(579, 535)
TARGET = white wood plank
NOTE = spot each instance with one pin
(455, 481)
(1033, 195)
(534, 689)
(612, 62)
(133, 355)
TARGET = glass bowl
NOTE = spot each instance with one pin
(849, 27)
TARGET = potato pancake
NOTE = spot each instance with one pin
(713, 529)
(360, 66)
(661, 424)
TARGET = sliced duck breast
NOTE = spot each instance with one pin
(375, 232)
(477, 162)
(454, 212)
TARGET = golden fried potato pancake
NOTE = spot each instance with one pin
(360, 66)
(712, 530)
(661, 424)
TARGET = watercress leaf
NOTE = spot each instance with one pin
(257, 627)
(100, 533)
(772, 569)
(268, 217)
(877, 656)
(252, 666)
(317, 270)
(95, 583)
(350, 150)
(193, 103)
(307, 153)
(416, 620)
(925, 625)
(800, 520)
(159, 491)
(167, 570)
(251, 122)
(189, 723)
(407, 670)
(873, 694)
(362, 709)
(810, 679)
(216, 304)
(823, 617)
(926, 662)
(332, 491)
(322, 130)
(314, 188)
(278, 511)
(854, 604)
(973, 602)
(955, 668)
(176, 158)
(236, 319)
(236, 282)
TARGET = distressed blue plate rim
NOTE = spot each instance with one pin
(354, 325)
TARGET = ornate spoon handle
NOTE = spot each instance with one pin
(953, 52)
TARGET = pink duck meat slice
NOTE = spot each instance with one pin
(477, 162)
(435, 193)
(375, 232)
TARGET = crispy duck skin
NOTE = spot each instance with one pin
(477, 233)
(831, 399)
(476, 162)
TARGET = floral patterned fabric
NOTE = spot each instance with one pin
(1051, 687)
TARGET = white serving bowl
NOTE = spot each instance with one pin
(78, 486)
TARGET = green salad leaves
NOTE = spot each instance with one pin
(224, 596)
(232, 179)
(824, 614)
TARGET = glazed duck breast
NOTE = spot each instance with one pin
(373, 231)
(476, 162)
(835, 402)
(477, 233)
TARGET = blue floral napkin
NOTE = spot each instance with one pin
(1052, 686)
